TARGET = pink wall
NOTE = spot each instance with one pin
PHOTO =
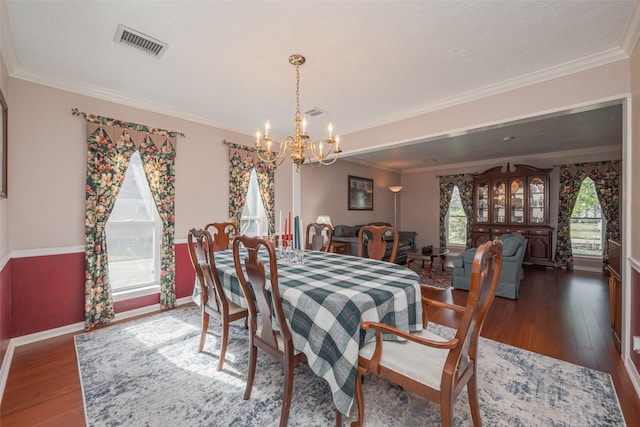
(324, 192)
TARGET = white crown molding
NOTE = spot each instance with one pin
(82, 88)
(561, 70)
(567, 68)
(6, 39)
(633, 31)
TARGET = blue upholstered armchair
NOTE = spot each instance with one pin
(514, 246)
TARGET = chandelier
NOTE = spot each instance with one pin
(300, 145)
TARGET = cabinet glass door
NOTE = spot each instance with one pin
(516, 202)
(482, 202)
(499, 201)
(537, 201)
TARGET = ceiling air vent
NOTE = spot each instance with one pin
(143, 42)
(315, 112)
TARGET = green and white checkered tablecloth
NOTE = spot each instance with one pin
(327, 298)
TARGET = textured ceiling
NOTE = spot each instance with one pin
(368, 62)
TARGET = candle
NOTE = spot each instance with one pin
(337, 141)
(330, 129)
(258, 139)
(286, 225)
(304, 124)
(267, 126)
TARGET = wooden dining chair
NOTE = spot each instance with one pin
(316, 237)
(222, 234)
(427, 364)
(266, 303)
(213, 301)
(376, 237)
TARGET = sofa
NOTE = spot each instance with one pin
(349, 234)
(514, 246)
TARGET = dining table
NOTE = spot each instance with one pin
(325, 298)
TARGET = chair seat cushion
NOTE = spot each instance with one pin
(416, 361)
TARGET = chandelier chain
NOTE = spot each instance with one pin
(297, 91)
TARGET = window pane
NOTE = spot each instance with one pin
(517, 199)
(536, 201)
(482, 202)
(586, 222)
(499, 202)
(456, 220)
(253, 221)
(133, 232)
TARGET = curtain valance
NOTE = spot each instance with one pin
(114, 127)
(244, 153)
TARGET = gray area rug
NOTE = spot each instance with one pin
(147, 372)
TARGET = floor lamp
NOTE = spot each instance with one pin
(395, 189)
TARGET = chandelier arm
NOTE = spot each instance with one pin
(321, 163)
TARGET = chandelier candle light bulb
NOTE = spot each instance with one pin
(301, 145)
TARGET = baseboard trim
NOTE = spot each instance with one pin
(634, 376)
(6, 366)
(584, 268)
(68, 329)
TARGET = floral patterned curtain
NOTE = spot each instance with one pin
(106, 166)
(465, 188)
(267, 185)
(158, 164)
(605, 176)
(107, 163)
(241, 161)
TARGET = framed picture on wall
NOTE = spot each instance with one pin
(360, 193)
(3, 147)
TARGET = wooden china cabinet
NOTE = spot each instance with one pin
(506, 201)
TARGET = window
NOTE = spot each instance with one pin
(134, 234)
(253, 221)
(456, 220)
(586, 222)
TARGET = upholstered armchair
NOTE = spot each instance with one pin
(514, 246)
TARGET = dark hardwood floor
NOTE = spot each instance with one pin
(559, 314)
